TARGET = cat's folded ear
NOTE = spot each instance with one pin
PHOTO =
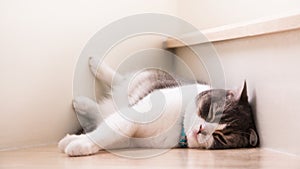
(241, 93)
(253, 139)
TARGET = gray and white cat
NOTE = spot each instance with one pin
(152, 109)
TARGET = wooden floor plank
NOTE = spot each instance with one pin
(51, 157)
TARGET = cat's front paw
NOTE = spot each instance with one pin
(82, 105)
(63, 143)
(81, 147)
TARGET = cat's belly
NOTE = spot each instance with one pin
(164, 129)
(164, 108)
(161, 112)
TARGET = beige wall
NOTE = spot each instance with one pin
(39, 45)
(211, 13)
(270, 64)
(41, 41)
(130, 55)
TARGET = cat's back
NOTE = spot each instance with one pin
(172, 95)
(144, 82)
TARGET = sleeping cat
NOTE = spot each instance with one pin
(152, 109)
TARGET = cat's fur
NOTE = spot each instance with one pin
(151, 110)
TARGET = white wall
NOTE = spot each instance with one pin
(211, 13)
(39, 45)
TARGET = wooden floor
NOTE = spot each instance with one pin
(50, 157)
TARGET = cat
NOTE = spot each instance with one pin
(157, 110)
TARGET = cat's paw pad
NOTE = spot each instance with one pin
(63, 143)
(81, 147)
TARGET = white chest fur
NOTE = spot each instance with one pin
(163, 114)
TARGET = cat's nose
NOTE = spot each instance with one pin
(202, 130)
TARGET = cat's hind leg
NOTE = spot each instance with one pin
(87, 113)
(89, 117)
(85, 106)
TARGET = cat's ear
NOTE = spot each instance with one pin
(253, 139)
(241, 95)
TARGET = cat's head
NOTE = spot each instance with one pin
(228, 121)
